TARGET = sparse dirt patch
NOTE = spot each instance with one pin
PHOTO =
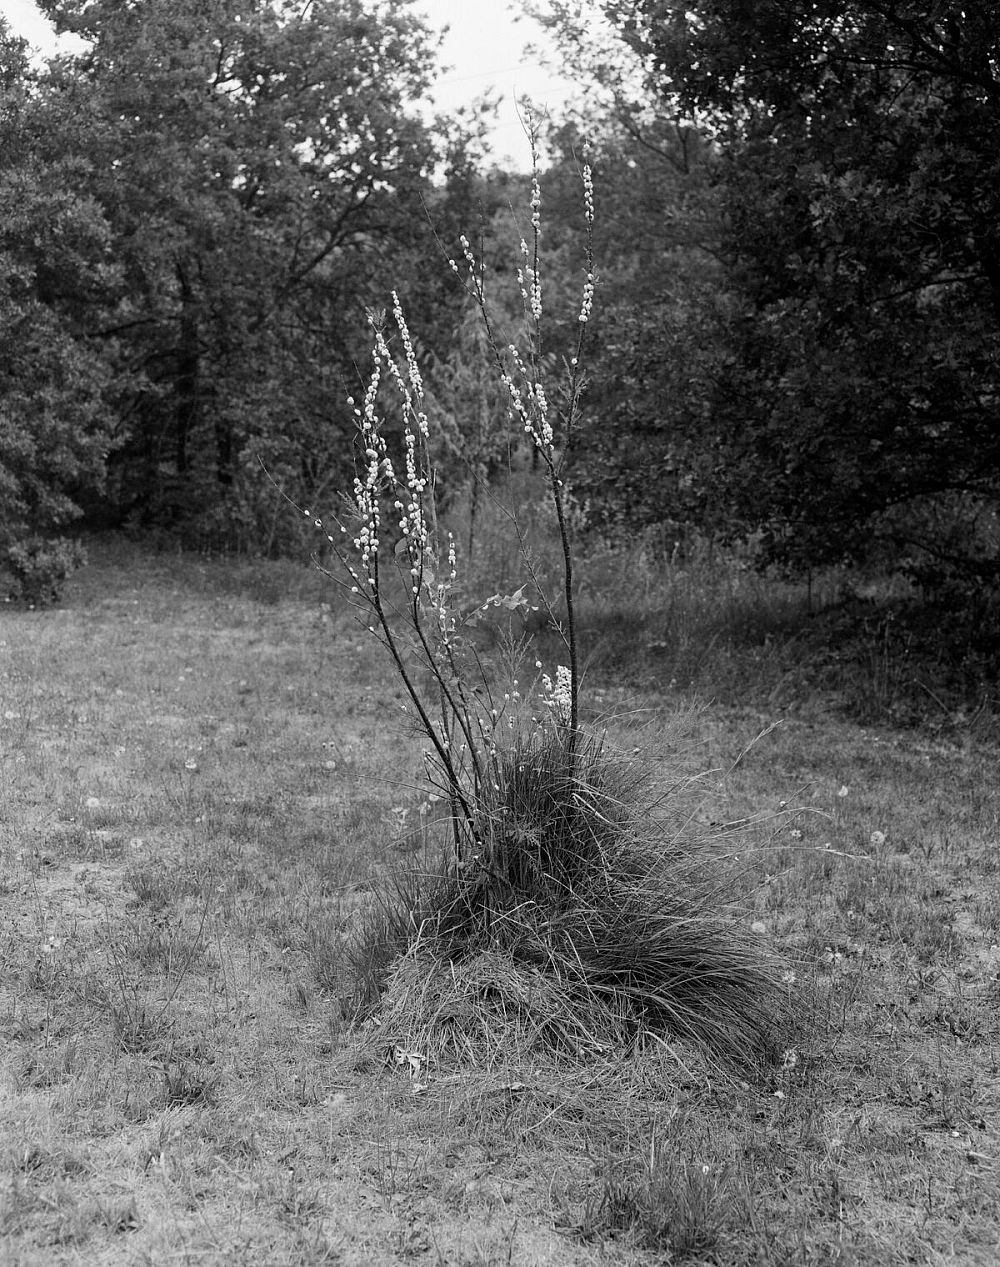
(201, 790)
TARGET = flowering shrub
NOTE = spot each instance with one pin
(569, 909)
(403, 571)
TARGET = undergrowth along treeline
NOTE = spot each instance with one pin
(574, 907)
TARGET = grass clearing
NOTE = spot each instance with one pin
(206, 775)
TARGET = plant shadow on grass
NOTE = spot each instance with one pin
(875, 662)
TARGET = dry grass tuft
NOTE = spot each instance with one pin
(595, 916)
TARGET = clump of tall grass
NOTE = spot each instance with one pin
(595, 916)
(570, 907)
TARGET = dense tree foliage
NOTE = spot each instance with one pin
(662, 287)
(242, 178)
(56, 258)
(797, 237)
(836, 389)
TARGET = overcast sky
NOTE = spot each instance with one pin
(484, 49)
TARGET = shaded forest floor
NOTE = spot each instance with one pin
(206, 773)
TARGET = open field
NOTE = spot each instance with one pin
(206, 771)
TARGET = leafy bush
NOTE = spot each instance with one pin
(40, 567)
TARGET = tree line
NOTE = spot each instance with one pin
(798, 237)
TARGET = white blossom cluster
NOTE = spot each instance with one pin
(559, 694)
(411, 389)
(376, 475)
(588, 193)
(376, 471)
(588, 211)
(536, 205)
(588, 299)
(530, 284)
(535, 422)
(470, 259)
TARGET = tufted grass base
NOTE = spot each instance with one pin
(596, 916)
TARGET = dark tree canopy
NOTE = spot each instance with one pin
(56, 264)
(845, 389)
(255, 173)
(798, 243)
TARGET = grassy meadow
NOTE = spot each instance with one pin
(207, 774)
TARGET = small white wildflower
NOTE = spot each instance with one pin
(877, 838)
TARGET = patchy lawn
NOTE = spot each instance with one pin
(205, 773)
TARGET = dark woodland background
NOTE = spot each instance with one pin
(794, 348)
